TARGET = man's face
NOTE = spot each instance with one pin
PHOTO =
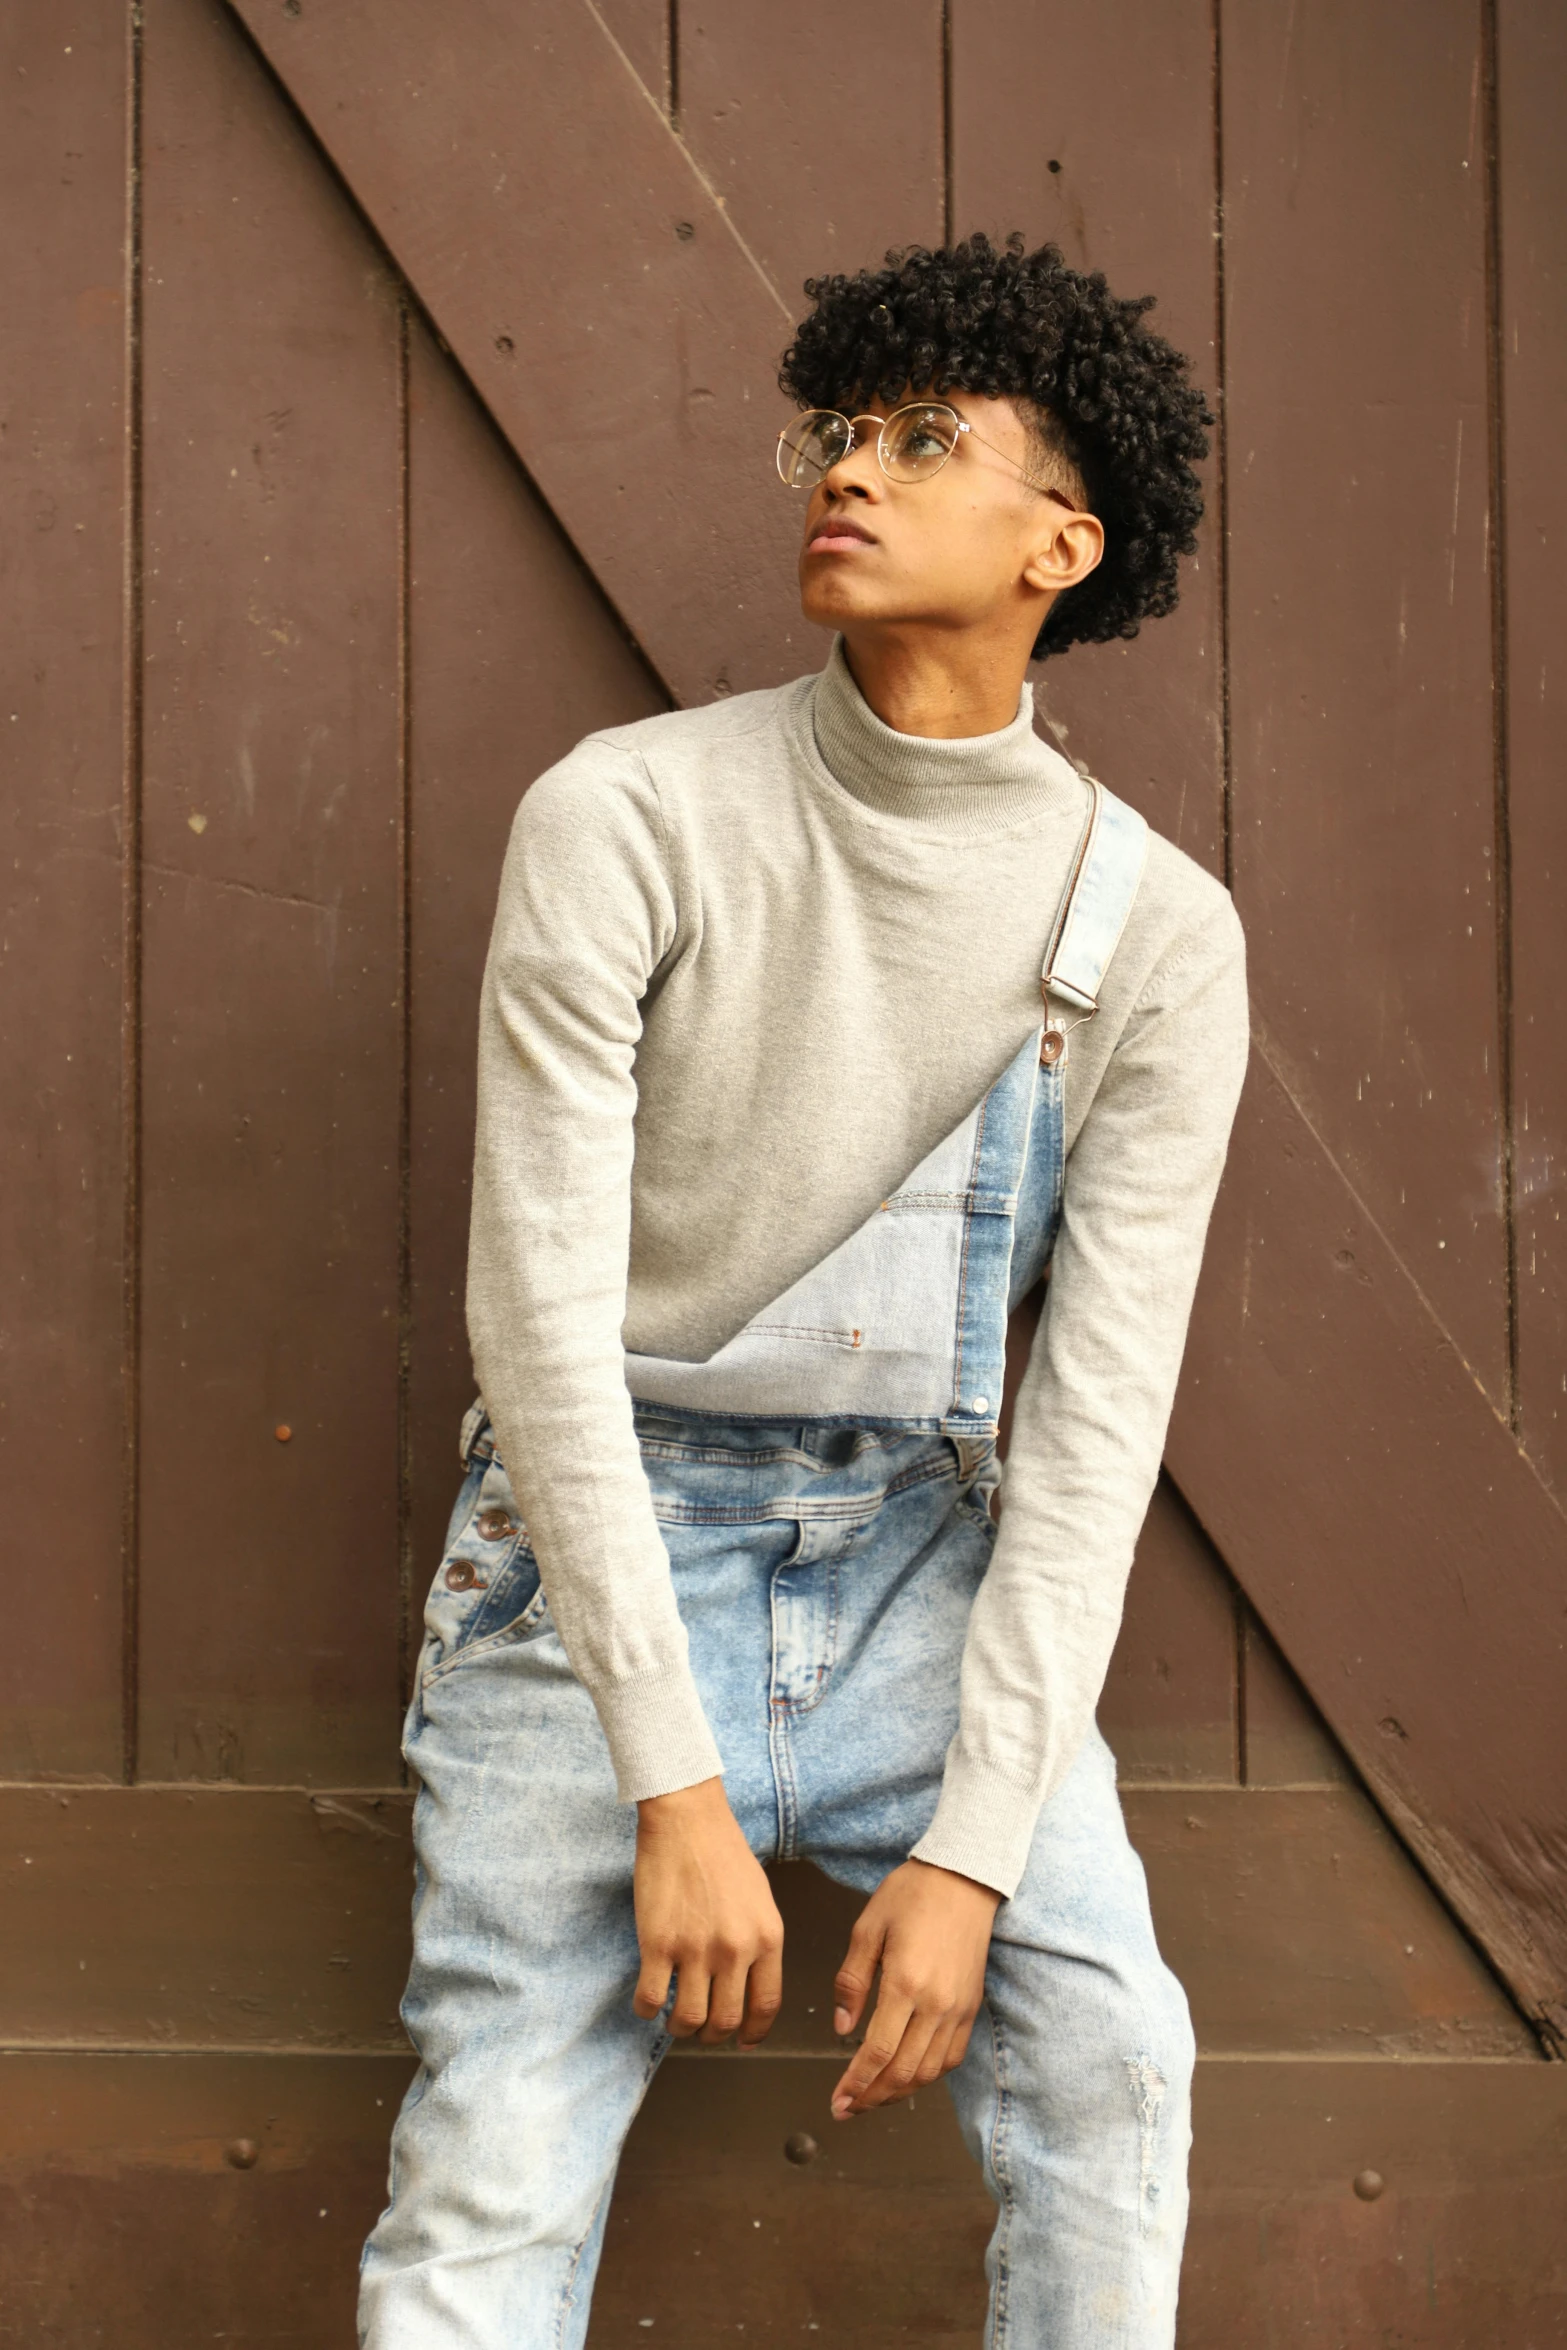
(951, 551)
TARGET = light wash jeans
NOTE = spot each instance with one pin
(825, 1576)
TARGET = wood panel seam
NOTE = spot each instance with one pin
(1262, 1047)
(708, 188)
(405, 1473)
(1222, 450)
(131, 922)
(1496, 550)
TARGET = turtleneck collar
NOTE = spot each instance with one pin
(966, 785)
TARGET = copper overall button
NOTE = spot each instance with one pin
(1051, 1046)
(495, 1525)
(462, 1575)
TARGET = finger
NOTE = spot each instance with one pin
(938, 2057)
(693, 1998)
(652, 1984)
(726, 2004)
(899, 2076)
(880, 2045)
(763, 1997)
(957, 2047)
(852, 1983)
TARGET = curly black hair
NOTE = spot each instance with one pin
(1112, 417)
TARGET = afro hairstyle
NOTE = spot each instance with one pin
(1111, 415)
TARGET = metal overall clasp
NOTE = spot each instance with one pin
(1056, 1032)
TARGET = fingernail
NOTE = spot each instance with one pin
(840, 2020)
(842, 2107)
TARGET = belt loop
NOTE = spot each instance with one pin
(475, 1421)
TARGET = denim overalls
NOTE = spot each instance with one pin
(822, 1487)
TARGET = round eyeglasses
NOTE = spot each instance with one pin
(911, 444)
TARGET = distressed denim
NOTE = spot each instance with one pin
(824, 1574)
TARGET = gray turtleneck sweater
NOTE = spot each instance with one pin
(782, 950)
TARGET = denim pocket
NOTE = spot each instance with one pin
(486, 1589)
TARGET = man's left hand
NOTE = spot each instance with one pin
(929, 1931)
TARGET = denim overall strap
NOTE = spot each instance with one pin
(1109, 865)
(903, 1325)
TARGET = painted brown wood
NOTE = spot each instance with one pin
(1284, 1740)
(272, 975)
(157, 1917)
(1170, 1702)
(418, 210)
(1459, 2251)
(1532, 173)
(122, 2218)
(813, 184)
(252, 1918)
(642, 29)
(1093, 127)
(1296, 1922)
(501, 170)
(1380, 1494)
(63, 528)
(1360, 615)
(514, 657)
(123, 2221)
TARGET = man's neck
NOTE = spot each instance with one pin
(952, 687)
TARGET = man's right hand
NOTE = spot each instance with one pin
(705, 1913)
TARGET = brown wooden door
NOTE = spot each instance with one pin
(388, 398)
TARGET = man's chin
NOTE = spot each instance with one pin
(840, 611)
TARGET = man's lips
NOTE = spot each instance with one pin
(836, 535)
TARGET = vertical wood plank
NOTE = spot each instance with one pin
(1532, 95)
(642, 28)
(1360, 627)
(63, 195)
(815, 180)
(1094, 128)
(1169, 1703)
(1285, 1742)
(271, 995)
(514, 658)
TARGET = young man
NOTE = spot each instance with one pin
(815, 1024)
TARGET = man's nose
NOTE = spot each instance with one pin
(856, 472)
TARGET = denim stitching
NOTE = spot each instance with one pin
(968, 1227)
(518, 1630)
(793, 1707)
(1002, 2175)
(779, 1748)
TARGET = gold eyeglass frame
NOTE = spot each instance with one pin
(960, 423)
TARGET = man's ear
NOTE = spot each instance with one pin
(1064, 553)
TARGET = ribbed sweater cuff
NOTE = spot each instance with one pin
(658, 1734)
(983, 1827)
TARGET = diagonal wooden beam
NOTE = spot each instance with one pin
(590, 283)
(1385, 1524)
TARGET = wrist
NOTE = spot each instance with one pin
(975, 1885)
(704, 1798)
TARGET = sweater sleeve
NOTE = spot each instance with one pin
(586, 915)
(1089, 1426)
